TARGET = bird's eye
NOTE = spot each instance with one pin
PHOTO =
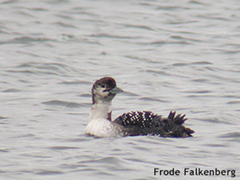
(103, 86)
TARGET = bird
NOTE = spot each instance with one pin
(133, 123)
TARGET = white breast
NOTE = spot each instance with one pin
(100, 128)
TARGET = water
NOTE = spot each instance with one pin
(166, 55)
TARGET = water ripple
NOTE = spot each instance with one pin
(27, 40)
(63, 103)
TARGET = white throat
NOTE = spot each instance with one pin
(100, 124)
(101, 110)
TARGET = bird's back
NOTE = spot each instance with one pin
(148, 123)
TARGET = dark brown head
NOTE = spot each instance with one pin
(104, 90)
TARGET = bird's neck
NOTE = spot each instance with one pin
(101, 110)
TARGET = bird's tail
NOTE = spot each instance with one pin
(176, 126)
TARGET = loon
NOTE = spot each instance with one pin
(132, 123)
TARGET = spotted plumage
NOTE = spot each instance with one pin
(136, 118)
(148, 123)
(133, 123)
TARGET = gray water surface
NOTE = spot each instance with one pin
(181, 55)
